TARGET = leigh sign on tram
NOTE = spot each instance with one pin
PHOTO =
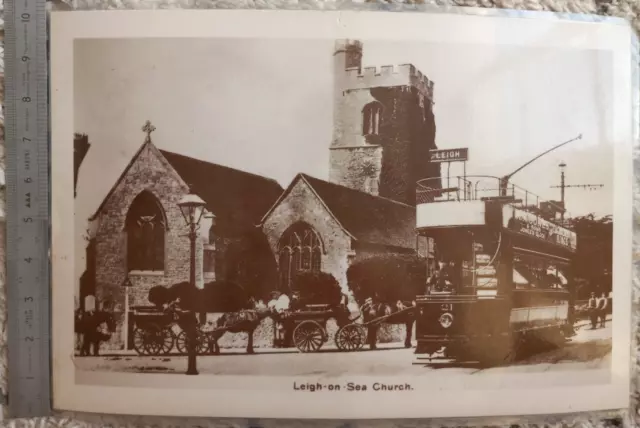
(450, 155)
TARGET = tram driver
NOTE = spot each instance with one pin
(439, 282)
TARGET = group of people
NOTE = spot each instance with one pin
(92, 327)
(598, 309)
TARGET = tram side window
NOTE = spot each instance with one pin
(538, 272)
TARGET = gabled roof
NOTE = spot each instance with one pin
(237, 198)
(367, 218)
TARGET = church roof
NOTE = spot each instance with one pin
(237, 198)
(367, 218)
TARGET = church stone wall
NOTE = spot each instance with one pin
(357, 167)
(152, 173)
(395, 158)
(301, 204)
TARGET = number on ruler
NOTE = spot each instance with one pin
(25, 17)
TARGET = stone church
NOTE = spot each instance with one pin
(384, 127)
(138, 234)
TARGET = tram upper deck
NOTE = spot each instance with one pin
(484, 201)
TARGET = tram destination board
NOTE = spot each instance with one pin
(27, 218)
(449, 155)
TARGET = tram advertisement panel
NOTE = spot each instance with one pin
(533, 225)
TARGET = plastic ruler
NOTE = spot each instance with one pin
(27, 208)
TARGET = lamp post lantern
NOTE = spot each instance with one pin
(192, 208)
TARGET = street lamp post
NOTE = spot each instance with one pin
(192, 208)
(126, 285)
(562, 169)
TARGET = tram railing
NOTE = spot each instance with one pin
(486, 187)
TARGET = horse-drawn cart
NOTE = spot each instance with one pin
(353, 336)
(309, 324)
(158, 331)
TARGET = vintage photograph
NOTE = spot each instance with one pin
(317, 209)
(357, 201)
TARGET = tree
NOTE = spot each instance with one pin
(317, 288)
(248, 261)
(389, 278)
(594, 253)
(224, 296)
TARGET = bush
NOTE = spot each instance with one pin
(217, 296)
(317, 288)
(388, 278)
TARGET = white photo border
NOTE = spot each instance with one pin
(230, 398)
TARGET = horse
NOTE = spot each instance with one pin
(94, 327)
(371, 311)
(242, 321)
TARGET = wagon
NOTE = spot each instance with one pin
(157, 332)
(352, 337)
(310, 324)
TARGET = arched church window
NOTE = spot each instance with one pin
(145, 227)
(300, 250)
(210, 254)
(285, 267)
(371, 114)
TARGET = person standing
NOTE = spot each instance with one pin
(603, 303)
(592, 308)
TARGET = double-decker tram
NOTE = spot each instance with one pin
(502, 281)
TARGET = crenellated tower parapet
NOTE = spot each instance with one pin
(388, 76)
(383, 126)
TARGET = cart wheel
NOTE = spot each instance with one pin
(351, 337)
(182, 343)
(308, 336)
(168, 340)
(139, 341)
(154, 340)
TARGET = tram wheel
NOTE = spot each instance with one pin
(496, 351)
(351, 337)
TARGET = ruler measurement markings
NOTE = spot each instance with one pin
(27, 194)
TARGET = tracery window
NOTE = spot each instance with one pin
(145, 227)
(300, 249)
(371, 118)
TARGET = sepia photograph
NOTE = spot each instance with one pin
(344, 214)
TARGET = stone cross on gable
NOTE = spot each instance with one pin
(148, 128)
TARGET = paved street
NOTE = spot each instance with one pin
(588, 349)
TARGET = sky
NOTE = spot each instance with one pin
(265, 106)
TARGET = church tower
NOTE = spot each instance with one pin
(383, 126)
